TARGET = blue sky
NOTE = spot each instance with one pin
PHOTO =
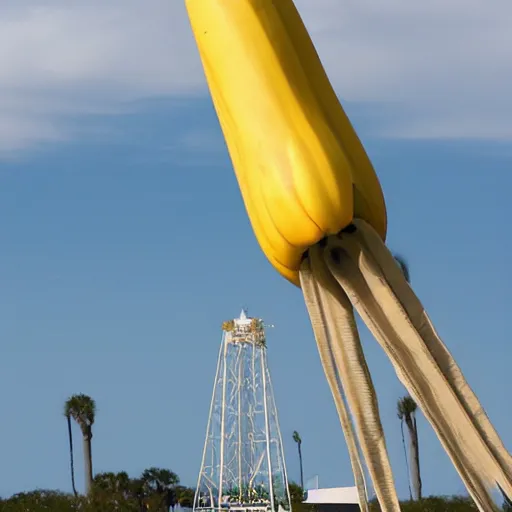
(125, 244)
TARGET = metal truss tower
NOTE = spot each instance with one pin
(243, 465)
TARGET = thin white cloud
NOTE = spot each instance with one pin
(444, 65)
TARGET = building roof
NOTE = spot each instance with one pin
(334, 495)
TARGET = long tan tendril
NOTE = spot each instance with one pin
(356, 270)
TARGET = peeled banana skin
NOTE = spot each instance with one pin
(302, 171)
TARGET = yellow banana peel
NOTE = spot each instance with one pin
(302, 171)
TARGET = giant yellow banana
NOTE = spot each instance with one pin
(302, 171)
(307, 183)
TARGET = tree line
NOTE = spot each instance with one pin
(156, 489)
(115, 492)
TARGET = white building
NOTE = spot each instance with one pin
(336, 499)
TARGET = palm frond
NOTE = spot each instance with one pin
(404, 267)
(82, 408)
(406, 407)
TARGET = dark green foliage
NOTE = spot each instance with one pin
(296, 493)
(296, 498)
(110, 492)
(184, 496)
(435, 504)
(113, 492)
(156, 479)
(39, 501)
(303, 507)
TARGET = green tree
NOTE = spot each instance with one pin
(39, 501)
(82, 409)
(185, 496)
(115, 492)
(401, 417)
(160, 485)
(298, 440)
(297, 499)
(406, 411)
(113, 483)
(296, 493)
(158, 478)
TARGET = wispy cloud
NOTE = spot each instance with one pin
(444, 65)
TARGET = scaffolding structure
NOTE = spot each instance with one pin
(243, 466)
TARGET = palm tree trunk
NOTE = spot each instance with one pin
(71, 457)
(87, 438)
(415, 457)
(406, 458)
(300, 464)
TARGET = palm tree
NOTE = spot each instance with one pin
(72, 463)
(298, 440)
(113, 483)
(118, 490)
(82, 409)
(162, 483)
(406, 410)
(156, 478)
(404, 267)
(401, 418)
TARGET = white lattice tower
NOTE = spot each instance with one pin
(243, 463)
